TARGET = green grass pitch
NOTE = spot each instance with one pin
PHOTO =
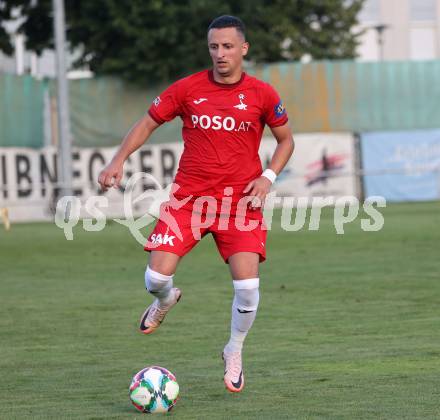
(348, 325)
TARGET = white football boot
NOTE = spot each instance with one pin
(234, 377)
(155, 314)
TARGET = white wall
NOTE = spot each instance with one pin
(26, 62)
(413, 29)
(413, 33)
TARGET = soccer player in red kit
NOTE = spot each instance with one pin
(224, 112)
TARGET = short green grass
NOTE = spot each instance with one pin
(348, 325)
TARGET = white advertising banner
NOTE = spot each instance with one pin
(323, 165)
(29, 177)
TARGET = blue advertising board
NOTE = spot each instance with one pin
(402, 166)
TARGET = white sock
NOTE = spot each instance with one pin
(244, 310)
(159, 285)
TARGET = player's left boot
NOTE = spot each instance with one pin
(155, 314)
(234, 377)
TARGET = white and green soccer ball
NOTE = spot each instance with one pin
(154, 389)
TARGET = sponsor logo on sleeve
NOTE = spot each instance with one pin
(157, 101)
(279, 109)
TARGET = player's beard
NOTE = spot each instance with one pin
(224, 71)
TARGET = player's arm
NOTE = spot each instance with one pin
(284, 149)
(111, 175)
(260, 187)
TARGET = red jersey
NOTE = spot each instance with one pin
(222, 129)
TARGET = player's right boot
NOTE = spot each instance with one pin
(234, 378)
(155, 314)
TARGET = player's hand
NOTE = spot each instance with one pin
(111, 176)
(258, 189)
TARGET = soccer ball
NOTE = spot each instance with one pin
(154, 390)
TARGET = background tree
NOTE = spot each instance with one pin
(155, 40)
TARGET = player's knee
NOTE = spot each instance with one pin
(247, 295)
(155, 282)
(163, 262)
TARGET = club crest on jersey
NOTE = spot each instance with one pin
(157, 101)
(241, 105)
(279, 109)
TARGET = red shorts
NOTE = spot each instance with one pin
(179, 230)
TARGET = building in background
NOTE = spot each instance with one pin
(400, 30)
(28, 62)
(394, 30)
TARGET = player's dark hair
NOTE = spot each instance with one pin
(227, 21)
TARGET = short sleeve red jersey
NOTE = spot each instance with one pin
(222, 129)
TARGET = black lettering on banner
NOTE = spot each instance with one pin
(147, 169)
(76, 174)
(22, 169)
(168, 162)
(128, 172)
(268, 160)
(45, 173)
(93, 177)
(4, 177)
